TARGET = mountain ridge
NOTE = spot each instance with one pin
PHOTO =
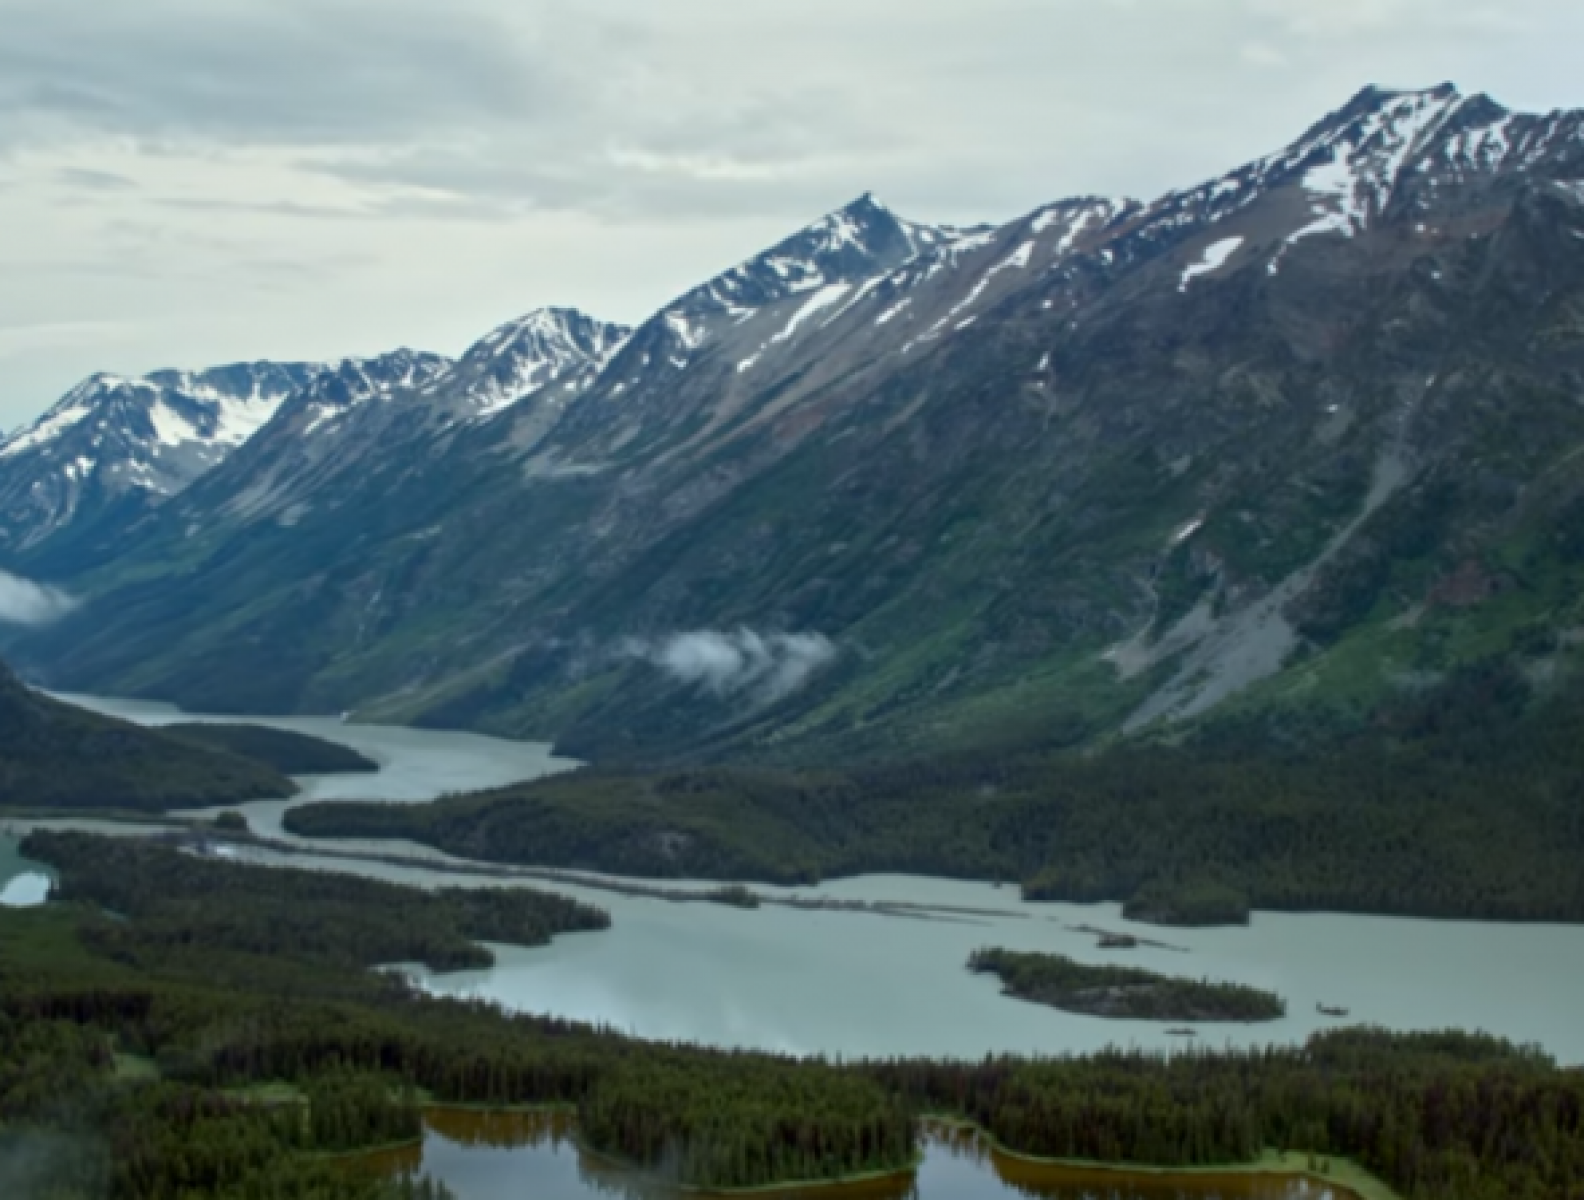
(1111, 463)
(114, 444)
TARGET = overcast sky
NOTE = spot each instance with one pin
(188, 182)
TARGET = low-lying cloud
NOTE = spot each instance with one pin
(764, 667)
(23, 602)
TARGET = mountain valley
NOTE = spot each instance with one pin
(1300, 442)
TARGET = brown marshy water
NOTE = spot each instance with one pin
(501, 1155)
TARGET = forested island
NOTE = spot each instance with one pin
(285, 750)
(132, 1047)
(1123, 993)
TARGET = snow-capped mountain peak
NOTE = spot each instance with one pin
(823, 262)
(1382, 157)
(223, 407)
(1352, 163)
(856, 241)
(114, 440)
(534, 351)
(342, 387)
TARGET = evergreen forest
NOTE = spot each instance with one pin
(169, 1050)
(284, 750)
(1123, 993)
(1464, 802)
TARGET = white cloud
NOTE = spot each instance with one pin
(23, 602)
(301, 178)
(764, 667)
(1260, 54)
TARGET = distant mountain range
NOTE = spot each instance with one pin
(112, 446)
(1291, 441)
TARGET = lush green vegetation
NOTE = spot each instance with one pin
(166, 1140)
(53, 755)
(287, 752)
(1127, 993)
(1438, 1116)
(344, 1052)
(1185, 902)
(186, 975)
(71, 1127)
(178, 899)
(741, 1122)
(1466, 801)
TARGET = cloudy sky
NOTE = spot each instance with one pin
(186, 182)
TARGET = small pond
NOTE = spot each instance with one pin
(507, 1156)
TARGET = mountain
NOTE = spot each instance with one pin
(1297, 440)
(114, 446)
(90, 473)
(524, 357)
(53, 755)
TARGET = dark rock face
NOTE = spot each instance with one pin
(1111, 464)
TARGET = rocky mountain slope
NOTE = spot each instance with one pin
(114, 447)
(346, 433)
(89, 475)
(1305, 435)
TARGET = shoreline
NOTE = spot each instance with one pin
(1291, 1164)
(644, 887)
(790, 1187)
(1345, 1176)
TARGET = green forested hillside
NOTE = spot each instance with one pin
(1328, 475)
(289, 753)
(53, 755)
(1465, 801)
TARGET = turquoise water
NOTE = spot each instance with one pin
(415, 764)
(820, 982)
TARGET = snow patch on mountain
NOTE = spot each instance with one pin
(1359, 170)
(1216, 256)
(824, 298)
(47, 428)
(165, 410)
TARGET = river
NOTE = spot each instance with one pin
(848, 983)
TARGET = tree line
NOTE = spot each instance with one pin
(1467, 802)
(1439, 1117)
(179, 899)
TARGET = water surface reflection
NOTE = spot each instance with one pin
(505, 1156)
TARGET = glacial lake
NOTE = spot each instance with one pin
(865, 984)
(504, 1156)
